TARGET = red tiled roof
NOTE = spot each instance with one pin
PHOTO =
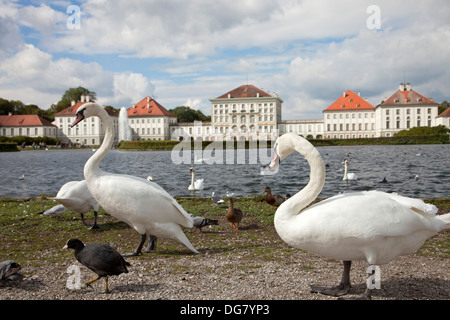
(28, 120)
(245, 91)
(148, 107)
(72, 110)
(445, 113)
(350, 101)
(407, 97)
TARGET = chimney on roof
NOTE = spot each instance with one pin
(229, 95)
(9, 114)
(72, 103)
(408, 86)
(343, 94)
(82, 98)
(148, 99)
(359, 94)
(87, 98)
(257, 94)
(401, 87)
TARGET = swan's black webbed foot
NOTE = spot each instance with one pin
(341, 289)
(138, 250)
(335, 291)
(91, 226)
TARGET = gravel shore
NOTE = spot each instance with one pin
(235, 274)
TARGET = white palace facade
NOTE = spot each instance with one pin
(249, 113)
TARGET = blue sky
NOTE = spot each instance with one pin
(187, 52)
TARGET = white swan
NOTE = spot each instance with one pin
(195, 184)
(75, 196)
(349, 175)
(372, 226)
(140, 203)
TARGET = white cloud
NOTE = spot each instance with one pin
(43, 18)
(34, 76)
(306, 51)
(130, 87)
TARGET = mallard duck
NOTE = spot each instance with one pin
(273, 199)
(234, 215)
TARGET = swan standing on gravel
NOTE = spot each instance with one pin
(140, 203)
(75, 196)
(349, 175)
(373, 226)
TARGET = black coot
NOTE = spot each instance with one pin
(100, 258)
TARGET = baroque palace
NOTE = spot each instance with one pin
(244, 113)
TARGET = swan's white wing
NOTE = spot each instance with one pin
(138, 201)
(75, 196)
(74, 204)
(369, 214)
(417, 205)
(66, 188)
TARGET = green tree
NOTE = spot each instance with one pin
(423, 131)
(72, 94)
(6, 107)
(186, 114)
(443, 106)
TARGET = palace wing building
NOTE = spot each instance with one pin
(403, 110)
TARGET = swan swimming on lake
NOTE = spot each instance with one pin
(140, 203)
(373, 226)
(348, 175)
(195, 184)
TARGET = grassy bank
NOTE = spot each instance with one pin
(36, 240)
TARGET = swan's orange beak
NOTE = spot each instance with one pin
(80, 117)
(273, 166)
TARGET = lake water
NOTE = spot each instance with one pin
(46, 171)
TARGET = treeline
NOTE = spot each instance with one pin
(183, 113)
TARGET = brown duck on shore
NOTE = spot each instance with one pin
(273, 199)
(234, 215)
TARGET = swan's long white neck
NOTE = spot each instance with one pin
(192, 177)
(294, 205)
(345, 172)
(92, 166)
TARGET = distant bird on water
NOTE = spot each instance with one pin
(101, 258)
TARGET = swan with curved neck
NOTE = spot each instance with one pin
(373, 226)
(348, 175)
(195, 184)
(140, 203)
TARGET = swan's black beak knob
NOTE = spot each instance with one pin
(80, 117)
